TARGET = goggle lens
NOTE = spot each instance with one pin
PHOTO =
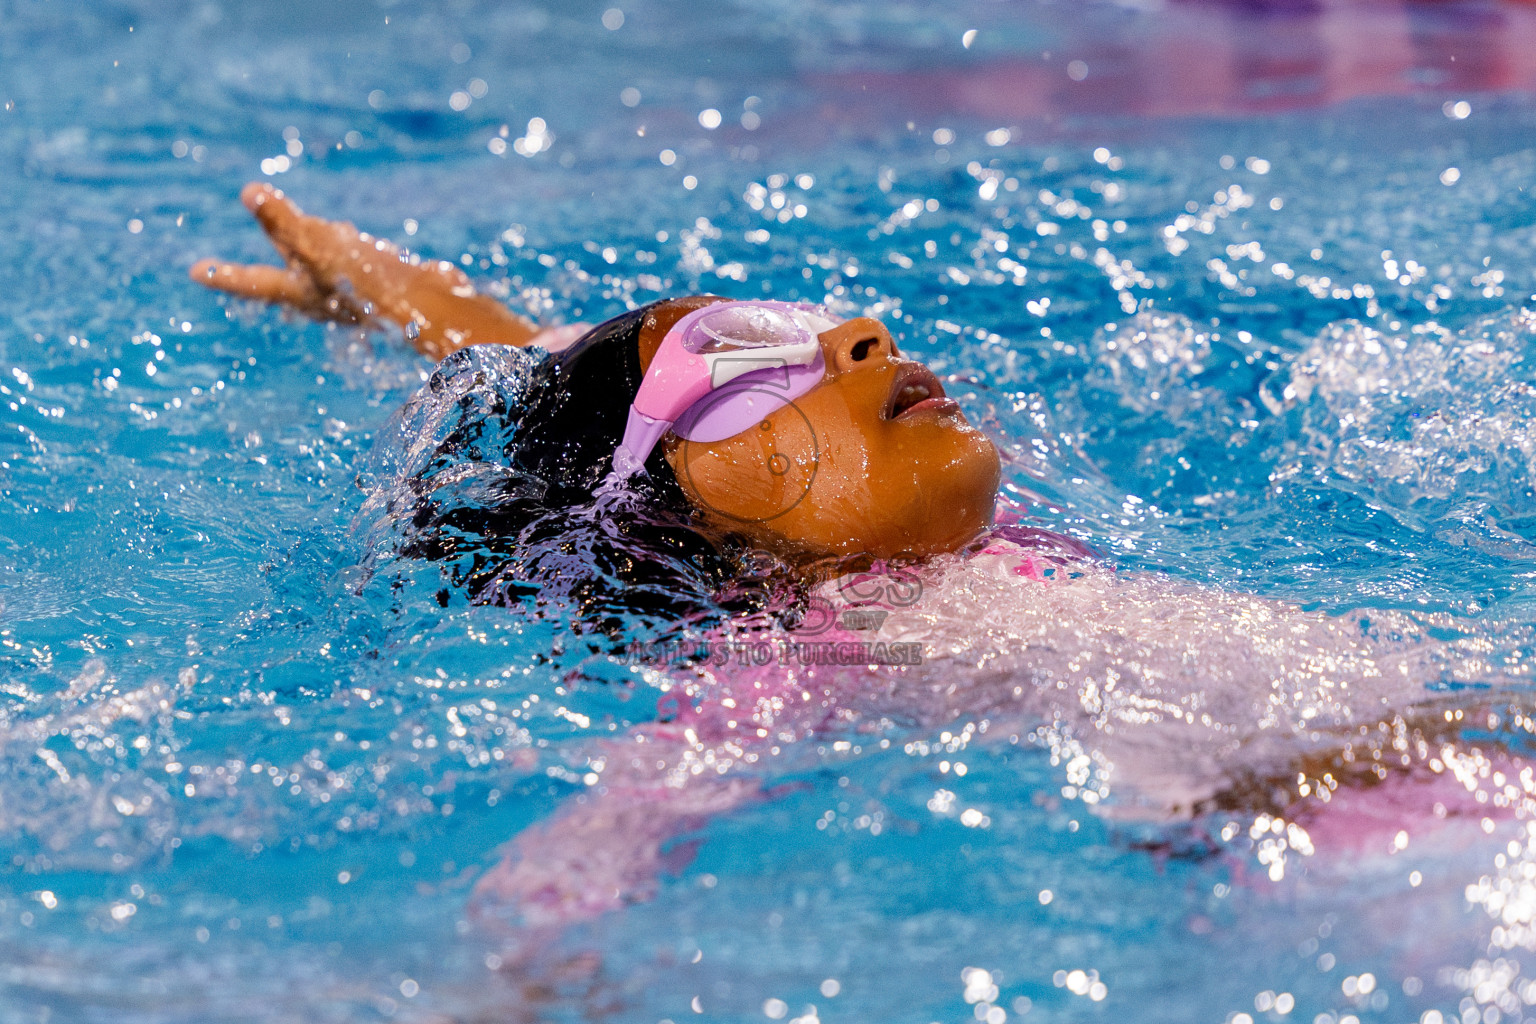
(739, 327)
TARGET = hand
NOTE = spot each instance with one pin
(313, 252)
(333, 271)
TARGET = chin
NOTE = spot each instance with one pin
(948, 506)
(955, 530)
(964, 500)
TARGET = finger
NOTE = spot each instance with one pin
(257, 281)
(278, 216)
(256, 194)
(327, 251)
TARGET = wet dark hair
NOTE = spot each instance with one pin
(504, 450)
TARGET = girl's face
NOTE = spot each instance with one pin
(876, 460)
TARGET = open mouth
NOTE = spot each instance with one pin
(916, 389)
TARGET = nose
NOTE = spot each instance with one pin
(855, 343)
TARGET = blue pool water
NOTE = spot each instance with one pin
(1267, 334)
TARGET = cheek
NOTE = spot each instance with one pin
(756, 477)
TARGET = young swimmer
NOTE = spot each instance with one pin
(1187, 699)
(873, 458)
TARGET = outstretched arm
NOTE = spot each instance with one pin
(604, 850)
(335, 272)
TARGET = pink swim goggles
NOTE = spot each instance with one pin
(721, 369)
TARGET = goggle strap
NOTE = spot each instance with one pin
(641, 435)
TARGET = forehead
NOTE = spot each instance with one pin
(661, 319)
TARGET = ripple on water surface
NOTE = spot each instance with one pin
(1282, 356)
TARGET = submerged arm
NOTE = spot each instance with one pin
(334, 271)
(604, 850)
